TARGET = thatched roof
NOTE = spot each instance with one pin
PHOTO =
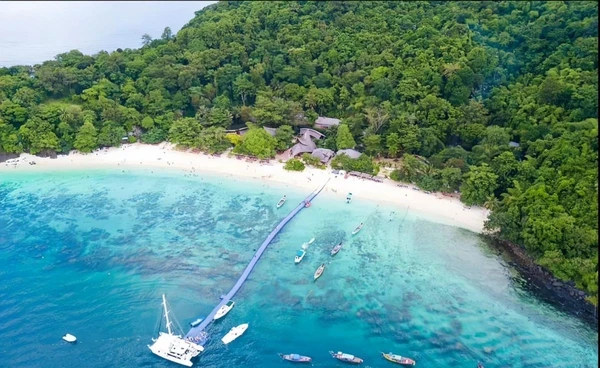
(327, 122)
(313, 133)
(271, 131)
(300, 148)
(323, 154)
(349, 152)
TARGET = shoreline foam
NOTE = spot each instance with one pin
(446, 210)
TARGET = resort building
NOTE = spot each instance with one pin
(323, 154)
(349, 152)
(326, 123)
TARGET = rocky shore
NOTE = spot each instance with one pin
(563, 295)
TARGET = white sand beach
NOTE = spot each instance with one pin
(432, 206)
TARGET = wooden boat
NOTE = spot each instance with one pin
(357, 229)
(296, 358)
(336, 249)
(319, 271)
(299, 256)
(281, 201)
(398, 359)
(224, 310)
(196, 322)
(348, 358)
(234, 333)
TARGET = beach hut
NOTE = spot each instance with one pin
(349, 152)
(326, 123)
(323, 154)
(271, 131)
(313, 133)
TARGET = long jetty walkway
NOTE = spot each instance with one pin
(196, 332)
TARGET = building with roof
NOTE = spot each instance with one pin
(325, 123)
(271, 131)
(323, 154)
(349, 152)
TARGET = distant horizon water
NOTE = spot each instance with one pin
(32, 32)
(89, 252)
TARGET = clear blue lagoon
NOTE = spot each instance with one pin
(91, 252)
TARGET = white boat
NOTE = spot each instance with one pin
(69, 338)
(357, 229)
(196, 322)
(281, 201)
(234, 333)
(224, 310)
(305, 245)
(173, 347)
(299, 256)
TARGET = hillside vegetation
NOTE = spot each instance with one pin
(448, 87)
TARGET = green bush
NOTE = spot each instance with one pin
(362, 164)
(132, 139)
(312, 161)
(294, 165)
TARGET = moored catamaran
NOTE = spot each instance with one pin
(173, 347)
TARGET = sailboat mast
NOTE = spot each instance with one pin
(167, 315)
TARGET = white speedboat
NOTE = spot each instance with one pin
(173, 347)
(69, 338)
(224, 310)
(234, 333)
(281, 201)
(299, 256)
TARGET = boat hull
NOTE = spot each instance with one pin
(295, 358)
(399, 359)
(234, 333)
(336, 249)
(222, 312)
(346, 358)
(319, 272)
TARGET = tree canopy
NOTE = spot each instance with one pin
(498, 99)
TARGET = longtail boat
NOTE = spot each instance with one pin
(398, 359)
(319, 271)
(348, 358)
(296, 358)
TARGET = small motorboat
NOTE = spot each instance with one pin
(281, 201)
(398, 359)
(479, 365)
(336, 249)
(69, 338)
(305, 245)
(299, 256)
(224, 310)
(296, 358)
(348, 358)
(357, 229)
(319, 271)
(234, 333)
(349, 198)
(196, 322)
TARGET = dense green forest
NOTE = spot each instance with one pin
(495, 99)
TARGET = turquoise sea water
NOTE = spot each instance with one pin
(91, 252)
